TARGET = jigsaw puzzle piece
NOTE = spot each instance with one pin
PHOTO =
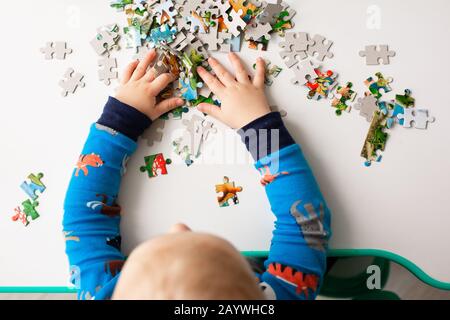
(235, 24)
(419, 117)
(57, 50)
(107, 73)
(29, 208)
(270, 12)
(374, 55)
(367, 106)
(344, 95)
(33, 186)
(320, 48)
(382, 83)
(105, 40)
(376, 139)
(322, 85)
(229, 192)
(256, 31)
(72, 82)
(304, 71)
(154, 133)
(155, 165)
(405, 100)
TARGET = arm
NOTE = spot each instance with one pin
(297, 258)
(91, 214)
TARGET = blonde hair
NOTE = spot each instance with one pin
(187, 266)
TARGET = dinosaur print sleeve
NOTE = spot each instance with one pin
(91, 214)
(297, 258)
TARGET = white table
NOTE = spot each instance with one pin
(396, 209)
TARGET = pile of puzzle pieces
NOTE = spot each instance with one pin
(184, 33)
(297, 47)
(189, 30)
(27, 212)
(384, 115)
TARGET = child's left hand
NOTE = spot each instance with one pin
(139, 88)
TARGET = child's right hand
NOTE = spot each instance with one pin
(139, 88)
(243, 100)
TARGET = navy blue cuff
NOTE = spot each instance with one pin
(265, 135)
(124, 119)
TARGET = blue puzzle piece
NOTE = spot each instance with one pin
(188, 91)
(398, 109)
(386, 109)
(34, 185)
(164, 35)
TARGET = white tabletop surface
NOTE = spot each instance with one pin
(399, 205)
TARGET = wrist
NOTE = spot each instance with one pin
(123, 118)
(265, 135)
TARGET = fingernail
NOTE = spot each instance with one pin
(180, 101)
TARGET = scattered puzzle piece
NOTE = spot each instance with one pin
(72, 82)
(107, 73)
(303, 70)
(155, 165)
(382, 83)
(105, 40)
(56, 50)
(34, 186)
(19, 215)
(320, 48)
(256, 31)
(229, 192)
(376, 139)
(321, 85)
(344, 95)
(270, 12)
(154, 133)
(373, 54)
(405, 100)
(419, 117)
(295, 45)
(367, 106)
(29, 208)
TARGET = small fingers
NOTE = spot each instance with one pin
(143, 65)
(210, 109)
(128, 72)
(168, 105)
(160, 83)
(260, 75)
(241, 73)
(150, 75)
(222, 74)
(211, 81)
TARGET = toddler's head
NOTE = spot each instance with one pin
(187, 265)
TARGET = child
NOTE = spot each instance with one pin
(184, 264)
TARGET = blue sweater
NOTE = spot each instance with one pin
(297, 258)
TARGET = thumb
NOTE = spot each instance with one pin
(210, 109)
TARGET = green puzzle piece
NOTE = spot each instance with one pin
(405, 100)
(29, 208)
